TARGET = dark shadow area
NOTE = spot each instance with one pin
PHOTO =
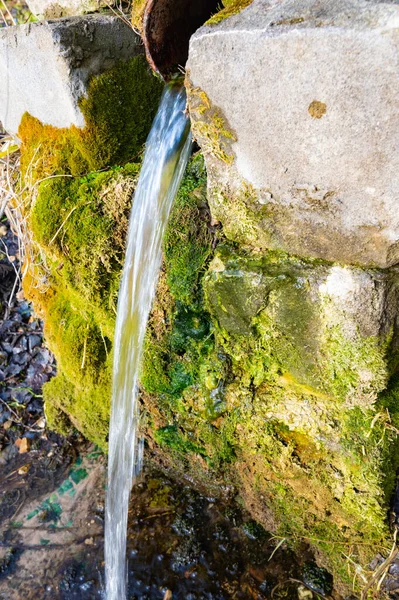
(168, 26)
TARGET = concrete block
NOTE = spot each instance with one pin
(45, 67)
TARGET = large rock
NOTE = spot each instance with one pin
(45, 67)
(300, 126)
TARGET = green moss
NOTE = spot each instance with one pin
(280, 398)
(181, 366)
(176, 343)
(171, 437)
(75, 337)
(347, 358)
(119, 110)
(187, 244)
(86, 405)
(57, 419)
(209, 125)
(79, 227)
(82, 223)
(79, 221)
(231, 7)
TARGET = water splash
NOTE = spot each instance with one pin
(167, 152)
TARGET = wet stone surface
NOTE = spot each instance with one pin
(183, 545)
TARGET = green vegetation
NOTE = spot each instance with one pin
(79, 227)
(231, 7)
(249, 374)
(80, 184)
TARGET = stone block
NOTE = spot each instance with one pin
(45, 67)
(299, 123)
(329, 328)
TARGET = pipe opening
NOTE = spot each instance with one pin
(168, 26)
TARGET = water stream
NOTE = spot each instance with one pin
(167, 152)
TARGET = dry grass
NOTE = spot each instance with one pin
(14, 199)
(374, 585)
(10, 200)
(123, 11)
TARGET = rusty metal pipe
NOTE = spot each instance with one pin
(168, 26)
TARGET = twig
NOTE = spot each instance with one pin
(163, 514)
(3, 18)
(121, 15)
(62, 224)
(381, 572)
(19, 420)
(281, 542)
(82, 366)
(66, 218)
(292, 580)
(9, 408)
(18, 509)
(103, 338)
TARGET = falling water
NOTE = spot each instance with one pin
(167, 152)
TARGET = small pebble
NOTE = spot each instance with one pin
(23, 445)
(89, 541)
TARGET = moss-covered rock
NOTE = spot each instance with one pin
(78, 230)
(119, 109)
(268, 371)
(79, 187)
